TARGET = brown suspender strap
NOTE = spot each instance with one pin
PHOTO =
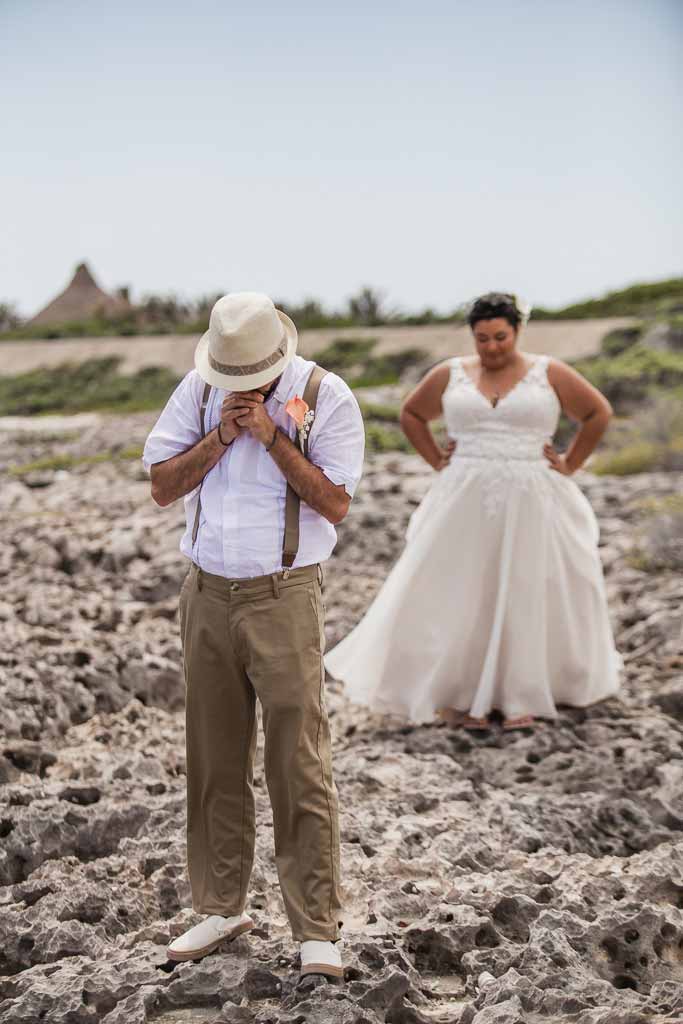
(205, 399)
(290, 545)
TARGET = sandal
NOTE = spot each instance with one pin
(461, 720)
(450, 716)
(475, 724)
(521, 722)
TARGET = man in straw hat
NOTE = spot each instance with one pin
(266, 449)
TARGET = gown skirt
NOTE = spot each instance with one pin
(497, 601)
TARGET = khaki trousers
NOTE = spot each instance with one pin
(242, 639)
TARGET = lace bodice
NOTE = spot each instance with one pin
(516, 428)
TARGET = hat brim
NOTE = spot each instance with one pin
(246, 382)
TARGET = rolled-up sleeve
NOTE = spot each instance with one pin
(178, 427)
(337, 437)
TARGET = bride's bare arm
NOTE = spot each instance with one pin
(419, 407)
(583, 403)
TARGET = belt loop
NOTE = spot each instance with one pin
(276, 586)
(199, 578)
(320, 574)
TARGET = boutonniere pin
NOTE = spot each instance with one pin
(302, 416)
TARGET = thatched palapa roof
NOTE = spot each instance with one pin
(82, 299)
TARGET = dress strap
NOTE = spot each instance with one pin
(539, 371)
(457, 371)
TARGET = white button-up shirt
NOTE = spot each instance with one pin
(242, 518)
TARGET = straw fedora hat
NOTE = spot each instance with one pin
(249, 342)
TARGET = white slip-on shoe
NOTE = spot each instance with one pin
(321, 958)
(204, 937)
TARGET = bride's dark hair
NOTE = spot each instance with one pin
(494, 304)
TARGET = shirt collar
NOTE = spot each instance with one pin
(287, 380)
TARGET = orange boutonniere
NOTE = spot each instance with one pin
(302, 416)
(297, 409)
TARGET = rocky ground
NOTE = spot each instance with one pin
(509, 879)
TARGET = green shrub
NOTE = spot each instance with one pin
(617, 341)
(377, 411)
(81, 387)
(345, 353)
(639, 457)
(382, 430)
(665, 333)
(660, 538)
(379, 438)
(96, 327)
(652, 438)
(352, 359)
(48, 462)
(676, 332)
(387, 369)
(656, 298)
(629, 378)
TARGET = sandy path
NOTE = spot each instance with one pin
(563, 338)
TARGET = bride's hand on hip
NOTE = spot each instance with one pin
(446, 455)
(557, 460)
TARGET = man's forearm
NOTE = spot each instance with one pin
(178, 476)
(309, 481)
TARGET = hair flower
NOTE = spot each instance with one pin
(523, 308)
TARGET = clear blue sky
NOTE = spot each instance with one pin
(434, 150)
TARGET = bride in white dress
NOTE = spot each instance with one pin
(498, 598)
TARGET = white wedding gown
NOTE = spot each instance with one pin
(498, 598)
